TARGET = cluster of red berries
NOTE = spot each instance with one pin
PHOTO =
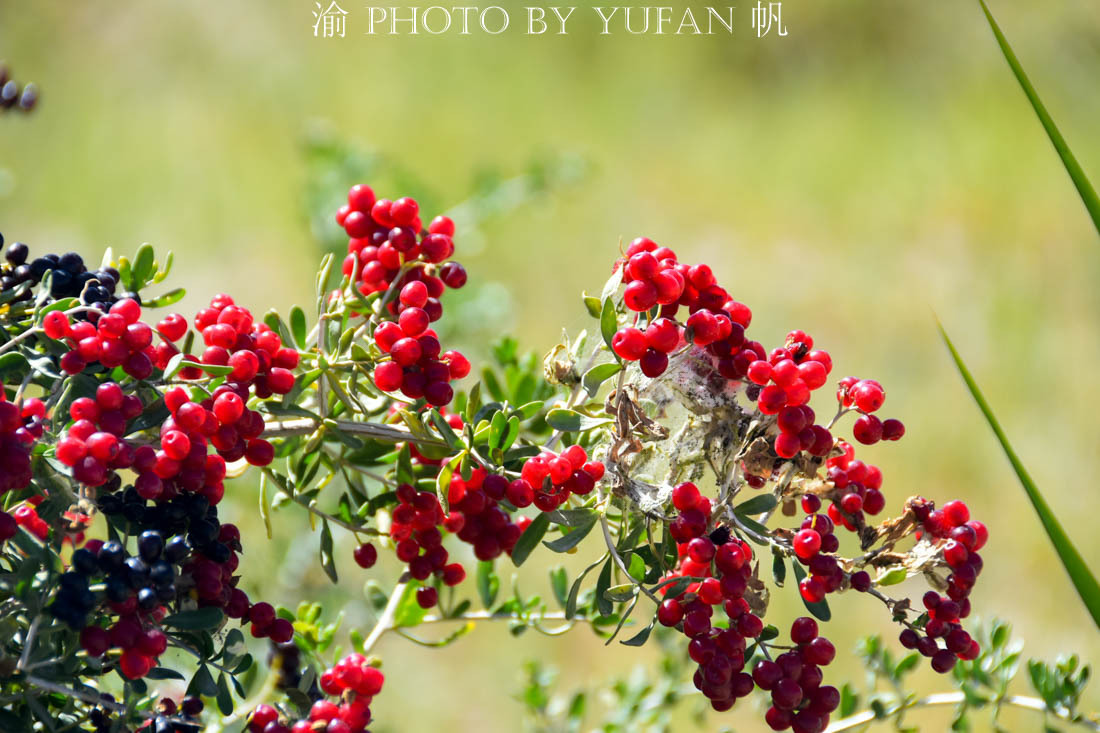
(20, 425)
(867, 396)
(654, 277)
(959, 538)
(725, 565)
(419, 542)
(799, 701)
(813, 545)
(353, 680)
(477, 517)
(140, 645)
(389, 250)
(255, 352)
(117, 338)
(94, 444)
(548, 479)
(25, 516)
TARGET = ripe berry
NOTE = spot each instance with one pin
(629, 343)
(426, 597)
(366, 555)
(807, 543)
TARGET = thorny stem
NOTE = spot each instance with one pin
(956, 698)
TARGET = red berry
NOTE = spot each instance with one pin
(868, 429)
(427, 597)
(366, 555)
(629, 343)
(807, 543)
(56, 325)
(868, 395)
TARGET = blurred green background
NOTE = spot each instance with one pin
(876, 166)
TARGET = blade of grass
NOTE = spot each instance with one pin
(1079, 572)
(1080, 180)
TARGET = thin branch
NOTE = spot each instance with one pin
(378, 431)
(385, 623)
(955, 698)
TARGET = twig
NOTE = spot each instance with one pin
(955, 698)
(619, 560)
(385, 622)
(306, 425)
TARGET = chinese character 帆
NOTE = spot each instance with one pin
(762, 19)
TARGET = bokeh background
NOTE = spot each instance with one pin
(877, 166)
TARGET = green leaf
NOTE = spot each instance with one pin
(642, 636)
(328, 562)
(573, 517)
(202, 683)
(621, 592)
(599, 374)
(1083, 579)
(609, 323)
(892, 577)
(195, 620)
(224, 699)
(143, 266)
(445, 430)
(574, 591)
(849, 700)
(568, 541)
(756, 505)
(1080, 180)
(559, 583)
(298, 326)
(603, 604)
(488, 584)
(529, 539)
(409, 612)
(161, 301)
(779, 568)
(572, 421)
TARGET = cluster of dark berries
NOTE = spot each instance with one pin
(390, 252)
(69, 277)
(799, 701)
(352, 680)
(168, 716)
(551, 479)
(137, 583)
(11, 96)
(173, 718)
(286, 657)
(724, 566)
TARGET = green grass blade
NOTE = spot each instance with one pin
(1079, 572)
(1080, 180)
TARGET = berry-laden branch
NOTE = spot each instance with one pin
(688, 443)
